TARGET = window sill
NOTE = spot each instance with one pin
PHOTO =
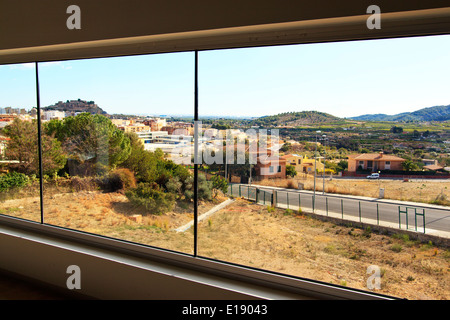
(113, 269)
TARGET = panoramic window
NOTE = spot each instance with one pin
(19, 155)
(113, 122)
(342, 174)
(321, 161)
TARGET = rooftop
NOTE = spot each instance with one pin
(375, 156)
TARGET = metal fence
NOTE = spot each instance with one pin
(337, 206)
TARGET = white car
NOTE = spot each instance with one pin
(374, 176)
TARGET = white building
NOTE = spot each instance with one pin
(53, 114)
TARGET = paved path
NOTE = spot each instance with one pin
(205, 215)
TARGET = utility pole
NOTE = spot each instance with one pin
(324, 158)
(315, 160)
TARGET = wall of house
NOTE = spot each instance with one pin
(353, 165)
(264, 171)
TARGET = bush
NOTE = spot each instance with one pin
(174, 185)
(219, 183)
(149, 196)
(118, 179)
(396, 248)
(291, 171)
(83, 184)
(204, 188)
(291, 184)
(13, 180)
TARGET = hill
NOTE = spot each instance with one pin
(76, 106)
(295, 119)
(436, 113)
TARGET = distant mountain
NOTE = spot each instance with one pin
(436, 113)
(76, 106)
(295, 119)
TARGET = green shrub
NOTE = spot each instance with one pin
(13, 180)
(367, 232)
(174, 185)
(219, 183)
(204, 188)
(396, 248)
(149, 196)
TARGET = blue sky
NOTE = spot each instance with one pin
(344, 79)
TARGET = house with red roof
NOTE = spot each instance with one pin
(374, 162)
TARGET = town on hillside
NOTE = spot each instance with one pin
(317, 143)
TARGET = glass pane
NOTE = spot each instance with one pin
(19, 157)
(308, 210)
(117, 122)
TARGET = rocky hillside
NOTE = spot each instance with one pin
(76, 106)
(295, 119)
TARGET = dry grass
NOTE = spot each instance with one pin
(109, 214)
(249, 234)
(257, 236)
(436, 192)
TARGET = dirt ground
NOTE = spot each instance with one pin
(260, 237)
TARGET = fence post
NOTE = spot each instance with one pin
(359, 211)
(326, 204)
(399, 217)
(419, 214)
(274, 198)
(313, 202)
(378, 216)
(342, 208)
(415, 219)
(299, 201)
(423, 220)
(287, 199)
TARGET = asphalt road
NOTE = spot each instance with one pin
(376, 211)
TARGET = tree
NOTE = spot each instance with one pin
(342, 152)
(418, 153)
(23, 147)
(342, 165)
(219, 183)
(291, 171)
(91, 139)
(364, 150)
(286, 146)
(152, 167)
(396, 129)
(409, 165)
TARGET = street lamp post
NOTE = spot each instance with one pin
(315, 160)
(324, 158)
